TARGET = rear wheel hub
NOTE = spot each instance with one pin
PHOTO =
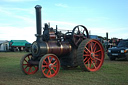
(92, 55)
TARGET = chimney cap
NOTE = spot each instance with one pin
(38, 6)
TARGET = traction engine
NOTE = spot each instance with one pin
(54, 49)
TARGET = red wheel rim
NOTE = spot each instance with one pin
(93, 55)
(50, 66)
(27, 68)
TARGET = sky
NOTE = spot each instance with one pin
(18, 19)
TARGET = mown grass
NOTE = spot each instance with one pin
(111, 73)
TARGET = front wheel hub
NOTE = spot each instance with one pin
(50, 66)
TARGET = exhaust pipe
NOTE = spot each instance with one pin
(38, 23)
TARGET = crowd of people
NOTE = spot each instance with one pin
(113, 42)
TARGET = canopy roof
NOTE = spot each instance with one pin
(18, 42)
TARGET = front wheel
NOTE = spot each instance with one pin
(49, 65)
(26, 67)
(90, 55)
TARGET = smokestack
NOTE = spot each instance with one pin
(107, 36)
(107, 39)
(38, 23)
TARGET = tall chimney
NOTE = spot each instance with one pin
(107, 39)
(38, 23)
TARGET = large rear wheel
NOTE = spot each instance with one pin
(90, 55)
(49, 65)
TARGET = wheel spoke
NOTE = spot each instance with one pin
(29, 69)
(94, 47)
(90, 63)
(54, 66)
(25, 60)
(97, 51)
(87, 60)
(78, 41)
(78, 30)
(76, 35)
(86, 55)
(44, 69)
(48, 72)
(49, 60)
(94, 65)
(54, 70)
(96, 55)
(35, 67)
(45, 62)
(95, 61)
(84, 37)
(91, 46)
(44, 65)
(28, 57)
(98, 59)
(83, 32)
(54, 62)
(87, 49)
(25, 67)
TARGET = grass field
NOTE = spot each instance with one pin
(111, 73)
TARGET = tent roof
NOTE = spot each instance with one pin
(18, 42)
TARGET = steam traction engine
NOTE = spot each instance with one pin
(53, 49)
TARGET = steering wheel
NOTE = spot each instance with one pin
(68, 33)
(79, 33)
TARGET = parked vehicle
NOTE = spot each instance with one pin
(121, 51)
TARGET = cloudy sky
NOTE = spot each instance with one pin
(17, 17)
